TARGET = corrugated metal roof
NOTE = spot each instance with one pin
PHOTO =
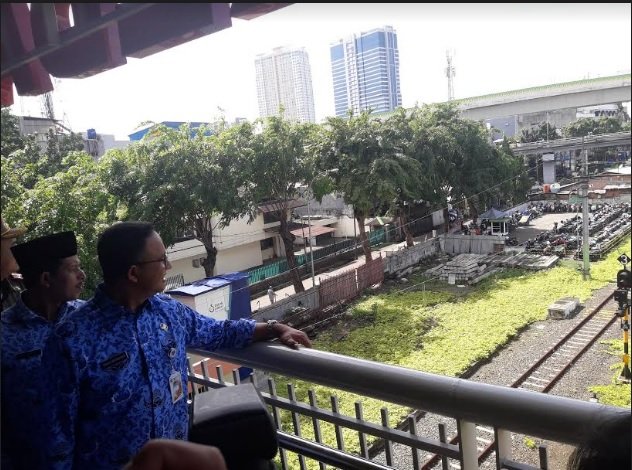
(316, 231)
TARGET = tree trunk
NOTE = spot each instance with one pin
(288, 244)
(359, 217)
(403, 220)
(204, 233)
(473, 210)
(209, 262)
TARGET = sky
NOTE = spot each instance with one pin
(495, 47)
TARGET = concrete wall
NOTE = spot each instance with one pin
(344, 227)
(478, 244)
(238, 258)
(239, 232)
(185, 267)
(276, 311)
(396, 261)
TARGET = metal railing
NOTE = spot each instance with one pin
(616, 139)
(503, 409)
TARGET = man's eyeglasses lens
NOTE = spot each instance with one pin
(164, 260)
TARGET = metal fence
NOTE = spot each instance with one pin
(469, 405)
(174, 281)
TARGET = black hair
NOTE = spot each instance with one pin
(120, 247)
(31, 277)
(607, 447)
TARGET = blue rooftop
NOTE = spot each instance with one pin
(138, 135)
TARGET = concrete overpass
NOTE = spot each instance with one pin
(569, 95)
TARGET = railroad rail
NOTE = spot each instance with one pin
(548, 370)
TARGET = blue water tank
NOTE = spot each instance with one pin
(92, 134)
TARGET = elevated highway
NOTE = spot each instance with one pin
(577, 94)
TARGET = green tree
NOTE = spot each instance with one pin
(75, 199)
(371, 169)
(181, 182)
(11, 138)
(463, 166)
(544, 131)
(278, 162)
(602, 125)
(584, 126)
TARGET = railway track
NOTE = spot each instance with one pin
(545, 372)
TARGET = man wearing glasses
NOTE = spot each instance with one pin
(124, 376)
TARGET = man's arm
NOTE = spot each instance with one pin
(208, 333)
(286, 334)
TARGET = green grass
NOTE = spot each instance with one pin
(442, 333)
(615, 393)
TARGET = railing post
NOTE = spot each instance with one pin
(503, 446)
(469, 452)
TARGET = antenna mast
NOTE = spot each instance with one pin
(450, 72)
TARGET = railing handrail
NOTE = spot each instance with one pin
(531, 413)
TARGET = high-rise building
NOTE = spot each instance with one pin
(284, 78)
(365, 70)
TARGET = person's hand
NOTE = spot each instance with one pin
(292, 337)
(165, 454)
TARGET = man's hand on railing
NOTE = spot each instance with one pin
(287, 335)
(164, 454)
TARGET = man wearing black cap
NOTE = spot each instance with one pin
(53, 278)
(124, 363)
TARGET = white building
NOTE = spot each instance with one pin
(240, 246)
(93, 143)
(284, 79)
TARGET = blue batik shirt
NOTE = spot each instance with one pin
(121, 364)
(28, 390)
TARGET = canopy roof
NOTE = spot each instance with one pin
(493, 214)
(78, 40)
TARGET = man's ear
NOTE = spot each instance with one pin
(44, 279)
(132, 274)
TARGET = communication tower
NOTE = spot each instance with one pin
(450, 72)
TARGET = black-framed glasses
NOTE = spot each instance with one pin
(164, 260)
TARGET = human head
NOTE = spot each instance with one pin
(608, 446)
(133, 253)
(51, 263)
(7, 260)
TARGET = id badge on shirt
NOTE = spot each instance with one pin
(175, 385)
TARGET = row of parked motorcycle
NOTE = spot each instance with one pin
(607, 224)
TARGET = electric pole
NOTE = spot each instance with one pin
(585, 217)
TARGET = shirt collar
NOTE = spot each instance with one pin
(20, 313)
(110, 307)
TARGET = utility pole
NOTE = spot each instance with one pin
(585, 217)
(309, 233)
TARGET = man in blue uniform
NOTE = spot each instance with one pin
(125, 351)
(53, 279)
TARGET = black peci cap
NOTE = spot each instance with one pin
(38, 253)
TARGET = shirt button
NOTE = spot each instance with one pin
(172, 352)
(164, 327)
(157, 401)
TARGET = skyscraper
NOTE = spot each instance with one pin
(284, 78)
(365, 70)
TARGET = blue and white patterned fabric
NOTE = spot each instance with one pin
(120, 363)
(28, 438)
